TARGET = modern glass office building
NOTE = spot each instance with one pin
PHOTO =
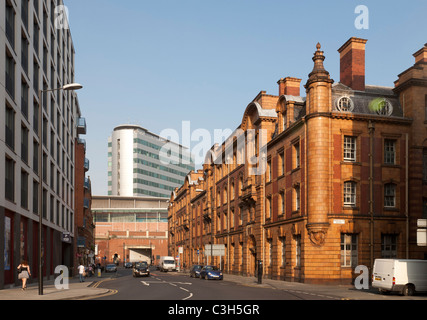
(143, 164)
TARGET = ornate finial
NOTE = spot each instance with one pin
(318, 46)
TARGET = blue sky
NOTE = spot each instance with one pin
(158, 63)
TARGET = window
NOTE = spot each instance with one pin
(425, 164)
(24, 54)
(349, 148)
(10, 75)
(269, 171)
(389, 151)
(268, 208)
(345, 104)
(10, 24)
(296, 156)
(425, 108)
(24, 190)
(297, 199)
(282, 202)
(24, 99)
(388, 246)
(390, 195)
(282, 163)
(424, 208)
(383, 107)
(349, 193)
(10, 180)
(10, 128)
(35, 197)
(270, 247)
(24, 144)
(284, 117)
(283, 244)
(297, 250)
(349, 250)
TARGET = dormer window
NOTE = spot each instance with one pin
(384, 108)
(345, 104)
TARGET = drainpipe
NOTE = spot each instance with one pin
(371, 127)
(407, 196)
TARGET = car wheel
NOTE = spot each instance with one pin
(408, 290)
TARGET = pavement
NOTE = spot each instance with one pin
(76, 290)
(90, 289)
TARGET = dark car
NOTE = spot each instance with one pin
(141, 269)
(211, 272)
(128, 265)
(111, 268)
(195, 271)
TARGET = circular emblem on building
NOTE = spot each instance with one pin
(381, 106)
(345, 104)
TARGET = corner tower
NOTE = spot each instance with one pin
(319, 102)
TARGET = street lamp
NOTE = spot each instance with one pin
(67, 87)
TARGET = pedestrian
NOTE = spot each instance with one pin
(81, 269)
(24, 273)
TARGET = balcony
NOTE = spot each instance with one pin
(81, 126)
(86, 203)
(87, 184)
(87, 164)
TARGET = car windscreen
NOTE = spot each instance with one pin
(169, 262)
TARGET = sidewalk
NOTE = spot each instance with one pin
(335, 292)
(76, 291)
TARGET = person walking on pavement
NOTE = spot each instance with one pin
(24, 273)
(81, 269)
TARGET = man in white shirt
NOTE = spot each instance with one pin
(81, 269)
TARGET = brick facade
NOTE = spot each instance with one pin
(343, 183)
(130, 225)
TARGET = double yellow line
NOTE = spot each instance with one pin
(96, 285)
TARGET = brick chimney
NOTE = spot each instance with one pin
(421, 55)
(289, 86)
(352, 57)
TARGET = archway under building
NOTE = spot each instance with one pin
(140, 253)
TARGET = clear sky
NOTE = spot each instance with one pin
(158, 63)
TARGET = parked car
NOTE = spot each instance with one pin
(211, 272)
(111, 268)
(399, 275)
(128, 265)
(195, 271)
(141, 269)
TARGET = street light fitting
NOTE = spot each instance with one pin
(72, 86)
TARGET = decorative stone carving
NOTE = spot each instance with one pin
(317, 233)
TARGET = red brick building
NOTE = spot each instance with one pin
(130, 228)
(345, 179)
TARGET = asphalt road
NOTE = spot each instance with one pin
(161, 286)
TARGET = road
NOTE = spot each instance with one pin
(179, 286)
(173, 286)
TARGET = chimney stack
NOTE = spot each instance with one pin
(421, 55)
(352, 58)
(289, 86)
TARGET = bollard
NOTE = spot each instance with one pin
(99, 272)
(260, 271)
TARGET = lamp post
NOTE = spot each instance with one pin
(68, 87)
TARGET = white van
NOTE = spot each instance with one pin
(398, 275)
(166, 264)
